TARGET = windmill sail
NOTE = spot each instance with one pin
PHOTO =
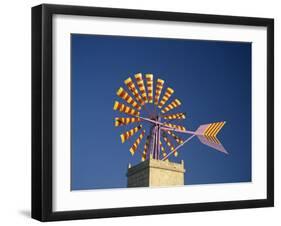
(125, 136)
(125, 96)
(163, 151)
(121, 121)
(149, 83)
(177, 139)
(170, 145)
(174, 104)
(158, 90)
(144, 153)
(137, 143)
(166, 97)
(207, 134)
(175, 116)
(125, 109)
(141, 86)
(131, 86)
(173, 126)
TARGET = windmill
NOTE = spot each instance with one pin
(159, 111)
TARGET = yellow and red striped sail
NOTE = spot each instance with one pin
(149, 85)
(163, 151)
(176, 138)
(125, 109)
(170, 145)
(141, 86)
(125, 136)
(125, 96)
(182, 128)
(166, 97)
(131, 86)
(174, 104)
(175, 116)
(136, 143)
(120, 121)
(145, 149)
(158, 90)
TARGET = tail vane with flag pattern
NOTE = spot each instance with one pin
(207, 134)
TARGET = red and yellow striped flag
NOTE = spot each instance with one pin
(207, 134)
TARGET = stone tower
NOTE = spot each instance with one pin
(156, 173)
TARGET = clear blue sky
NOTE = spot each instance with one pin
(211, 78)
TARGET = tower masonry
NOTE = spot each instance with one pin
(156, 173)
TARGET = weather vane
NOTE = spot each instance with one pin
(158, 113)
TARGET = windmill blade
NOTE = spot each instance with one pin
(126, 135)
(137, 143)
(141, 86)
(174, 104)
(144, 153)
(175, 116)
(173, 126)
(170, 145)
(125, 109)
(120, 121)
(163, 151)
(149, 84)
(176, 138)
(207, 134)
(158, 90)
(166, 97)
(131, 86)
(125, 96)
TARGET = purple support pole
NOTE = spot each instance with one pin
(157, 143)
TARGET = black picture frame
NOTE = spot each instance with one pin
(42, 111)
